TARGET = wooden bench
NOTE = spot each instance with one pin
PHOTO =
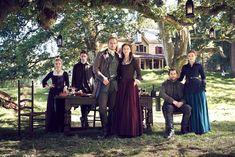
(7, 101)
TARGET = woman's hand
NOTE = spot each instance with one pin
(65, 90)
(136, 82)
(50, 86)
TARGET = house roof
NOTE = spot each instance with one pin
(150, 36)
(150, 40)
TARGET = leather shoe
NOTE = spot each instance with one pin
(169, 133)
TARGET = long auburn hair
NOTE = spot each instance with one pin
(130, 54)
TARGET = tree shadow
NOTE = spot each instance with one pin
(88, 142)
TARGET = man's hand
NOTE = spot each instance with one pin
(106, 82)
(175, 103)
(180, 103)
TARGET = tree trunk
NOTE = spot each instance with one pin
(180, 56)
(233, 58)
(175, 53)
(168, 47)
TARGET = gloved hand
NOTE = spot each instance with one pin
(203, 85)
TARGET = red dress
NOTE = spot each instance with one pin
(127, 119)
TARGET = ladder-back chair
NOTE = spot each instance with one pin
(27, 117)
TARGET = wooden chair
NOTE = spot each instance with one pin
(93, 117)
(27, 117)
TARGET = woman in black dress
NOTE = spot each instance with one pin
(127, 120)
(195, 96)
(60, 82)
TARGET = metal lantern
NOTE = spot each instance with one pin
(212, 33)
(189, 8)
(138, 37)
(59, 41)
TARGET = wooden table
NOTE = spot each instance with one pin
(75, 101)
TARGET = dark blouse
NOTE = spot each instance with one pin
(193, 83)
(127, 71)
(82, 74)
(58, 81)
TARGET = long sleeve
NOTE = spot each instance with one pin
(66, 77)
(74, 76)
(203, 77)
(201, 71)
(44, 81)
(137, 69)
(182, 74)
(163, 94)
(96, 67)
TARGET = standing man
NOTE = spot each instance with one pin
(172, 93)
(105, 70)
(82, 79)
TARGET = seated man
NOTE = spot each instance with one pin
(172, 93)
(82, 79)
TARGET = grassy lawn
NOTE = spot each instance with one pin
(219, 142)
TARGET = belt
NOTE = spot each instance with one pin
(113, 78)
(193, 78)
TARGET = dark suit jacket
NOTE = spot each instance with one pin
(78, 73)
(172, 90)
(101, 65)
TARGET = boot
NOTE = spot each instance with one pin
(184, 129)
(82, 122)
(169, 133)
(104, 123)
(185, 123)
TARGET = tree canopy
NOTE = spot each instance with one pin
(27, 27)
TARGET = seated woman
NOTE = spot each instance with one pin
(60, 82)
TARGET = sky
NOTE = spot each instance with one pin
(171, 4)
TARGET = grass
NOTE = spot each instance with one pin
(216, 143)
(219, 142)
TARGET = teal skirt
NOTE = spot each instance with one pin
(199, 121)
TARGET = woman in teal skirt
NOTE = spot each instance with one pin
(195, 96)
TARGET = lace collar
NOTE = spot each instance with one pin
(55, 73)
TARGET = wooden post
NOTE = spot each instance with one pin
(159, 64)
(152, 63)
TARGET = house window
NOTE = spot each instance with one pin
(137, 48)
(142, 48)
(158, 50)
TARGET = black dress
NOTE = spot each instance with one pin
(127, 121)
(55, 116)
(195, 96)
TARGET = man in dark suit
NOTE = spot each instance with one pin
(82, 80)
(105, 70)
(172, 92)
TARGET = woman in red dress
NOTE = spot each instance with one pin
(127, 120)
